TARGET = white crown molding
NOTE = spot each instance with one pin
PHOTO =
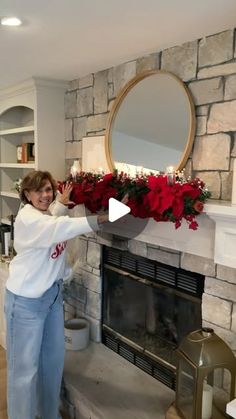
(30, 85)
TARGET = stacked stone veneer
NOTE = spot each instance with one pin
(208, 67)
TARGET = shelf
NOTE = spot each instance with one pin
(14, 195)
(5, 221)
(30, 113)
(19, 130)
(221, 209)
(224, 216)
(18, 165)
(231, 408)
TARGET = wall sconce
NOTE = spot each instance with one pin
(202, 358)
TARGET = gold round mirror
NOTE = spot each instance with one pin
(151, 125)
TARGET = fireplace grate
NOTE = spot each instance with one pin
(157, 370)
(186, 283)
(146, 268)
(190, 282)
(123, 272)
(143, 365)
(166, 275)
(166, 376)
(113, 258)
(128, 262)
(127, 354)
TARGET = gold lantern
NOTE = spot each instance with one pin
(204, 361)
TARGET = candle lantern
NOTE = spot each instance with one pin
(204, 360)
(170, 173)
(75, 169)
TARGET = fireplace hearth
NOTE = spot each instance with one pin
(147, 309)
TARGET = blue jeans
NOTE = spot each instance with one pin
(35, 354)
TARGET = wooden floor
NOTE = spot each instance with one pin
(3, 403)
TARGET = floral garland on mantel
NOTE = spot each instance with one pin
(153, 196)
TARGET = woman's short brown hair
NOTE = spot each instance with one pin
(35, 180)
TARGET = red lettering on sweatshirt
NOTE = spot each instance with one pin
(60, 247)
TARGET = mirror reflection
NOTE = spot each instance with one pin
(151, 125)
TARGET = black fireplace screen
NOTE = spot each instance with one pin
(148, 307)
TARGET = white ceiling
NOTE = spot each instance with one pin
(67, 39)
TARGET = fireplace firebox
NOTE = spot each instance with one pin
(147, 309)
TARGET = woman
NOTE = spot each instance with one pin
(33, 302)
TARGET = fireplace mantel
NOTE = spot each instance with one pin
(214, 239)
(224, 216)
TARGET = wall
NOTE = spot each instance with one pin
(208, 67)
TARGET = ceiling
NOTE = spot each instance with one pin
(67, 39)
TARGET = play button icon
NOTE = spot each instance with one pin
(116, 209)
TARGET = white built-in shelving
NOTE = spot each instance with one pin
(17, 130)
(30, 112)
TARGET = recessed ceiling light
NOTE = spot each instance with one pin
(11, 21)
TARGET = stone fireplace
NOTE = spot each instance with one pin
(160, 244)
(208, 68)
(147, 309)
(189, 254)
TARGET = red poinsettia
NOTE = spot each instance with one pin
(149, 196)
(160, 196)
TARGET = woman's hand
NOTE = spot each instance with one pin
(102, 219)
(64, 197)
(125, 199)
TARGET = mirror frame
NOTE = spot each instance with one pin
(118, 101)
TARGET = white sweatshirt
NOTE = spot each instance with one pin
(40, 242)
